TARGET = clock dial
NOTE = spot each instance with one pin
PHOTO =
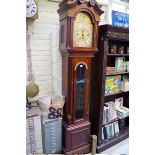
(31, 8)
(82, 31)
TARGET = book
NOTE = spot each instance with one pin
(116, 128)
(106, 115)
(106, 132)
(120, 64)
(112, 84)
(102, 133)
(112, 110)
(118, 102)
(111, 130)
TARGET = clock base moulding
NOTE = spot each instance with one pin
(83, 149)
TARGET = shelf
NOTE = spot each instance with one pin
(109, 74)
(114, 120)
(115, 93)
(120, 133)
(119, 37)
(125, 55)
(123, 134)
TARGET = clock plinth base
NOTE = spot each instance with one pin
(76, 138)
(82, 150)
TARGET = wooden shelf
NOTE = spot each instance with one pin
(109, 74)
(104, 59)
(114, 120)
(125, 55)
(115, 93)
(123, 134)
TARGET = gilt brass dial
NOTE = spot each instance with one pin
(83, 31)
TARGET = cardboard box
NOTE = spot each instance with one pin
(124, 86)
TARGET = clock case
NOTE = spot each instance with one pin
(76, 133)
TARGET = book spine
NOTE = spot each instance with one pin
(102, 134)
(116, 128)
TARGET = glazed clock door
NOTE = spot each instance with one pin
(81, 88)
(83, 31)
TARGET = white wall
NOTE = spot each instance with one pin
(46, 57)
(44, 31)
(108, 6)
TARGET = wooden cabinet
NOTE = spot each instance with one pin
(78, 43)
(111, 40)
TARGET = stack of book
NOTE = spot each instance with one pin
(110, 121)
(109, 113)
(110, 130)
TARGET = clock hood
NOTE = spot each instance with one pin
(70, 4)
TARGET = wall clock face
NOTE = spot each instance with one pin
(31, 8)
(83, 31)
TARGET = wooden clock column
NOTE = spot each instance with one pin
(78, 44)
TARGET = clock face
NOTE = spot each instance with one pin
(83, 31)
(31, 8)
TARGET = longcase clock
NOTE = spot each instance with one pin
(78, 44)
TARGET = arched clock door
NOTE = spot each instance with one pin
(81, 89)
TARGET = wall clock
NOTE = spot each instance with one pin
(31, 9)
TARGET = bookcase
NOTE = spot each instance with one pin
(113, 50)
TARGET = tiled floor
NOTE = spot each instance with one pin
(121, 148)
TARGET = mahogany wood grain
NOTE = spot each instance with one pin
(76, 132)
